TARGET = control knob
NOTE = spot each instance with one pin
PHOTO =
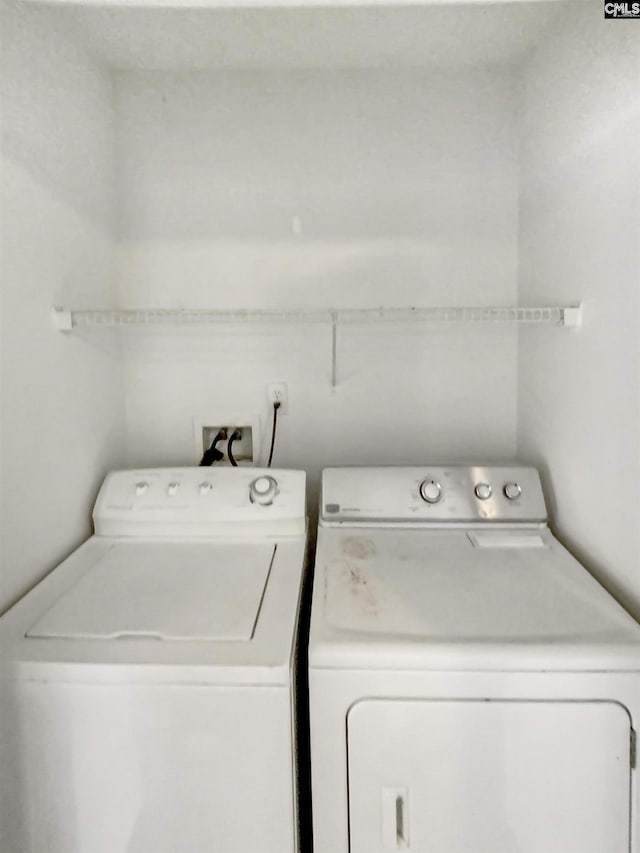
(263, 490)
(430, 491)
(483, 491)
(512, 491)
(205, 487)
(172, 489)
(141, 487)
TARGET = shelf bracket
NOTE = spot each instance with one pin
(62, 319)
(571, 316)
(334, 349)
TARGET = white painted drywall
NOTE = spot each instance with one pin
(62, 421)
(315, 189)
(579, 392)
(331, 36)
(404, 187)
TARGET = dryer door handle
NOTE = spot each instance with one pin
(395, 818)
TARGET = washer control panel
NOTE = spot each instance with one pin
(199, 501)
(432, 494)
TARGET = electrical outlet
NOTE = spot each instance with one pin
(245, 449)
(277, 393)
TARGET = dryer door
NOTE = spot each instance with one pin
(489, 777)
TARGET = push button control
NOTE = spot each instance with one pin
(483, 491)
(430, 491)
(512, 491)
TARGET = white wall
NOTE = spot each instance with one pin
(579, 392)
(62, 414)
(405, 186)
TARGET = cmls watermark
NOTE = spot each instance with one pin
(621, 10)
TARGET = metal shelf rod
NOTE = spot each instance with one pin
(66, 319)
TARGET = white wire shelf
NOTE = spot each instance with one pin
(67, 319)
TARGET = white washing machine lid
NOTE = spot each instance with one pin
(462, 599)
(164, 591)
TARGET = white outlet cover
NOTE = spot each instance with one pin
(230, 421)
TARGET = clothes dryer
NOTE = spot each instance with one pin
(473, 689)
(147, 684)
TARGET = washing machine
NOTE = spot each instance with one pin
(473, 689)
(147, 686)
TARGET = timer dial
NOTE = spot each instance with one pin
(263, 490)
(430, 491)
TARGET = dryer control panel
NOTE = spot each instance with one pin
(433, 494)
(207, 501)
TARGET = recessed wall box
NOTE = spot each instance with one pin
(246, 448)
